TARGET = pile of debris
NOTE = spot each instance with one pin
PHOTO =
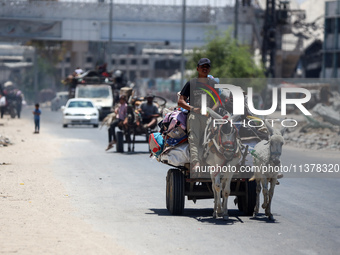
(316, 139)
(4, 141)
(320, 132)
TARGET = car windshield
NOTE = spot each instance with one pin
(91, 92)
(81, 104)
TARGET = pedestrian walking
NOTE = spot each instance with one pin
(2, 105)
(36, 113)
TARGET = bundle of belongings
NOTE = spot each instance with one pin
(170, 144)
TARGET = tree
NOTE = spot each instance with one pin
(230, 60)
(49, 54)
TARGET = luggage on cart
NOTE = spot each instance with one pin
(176, 156)
(156, 143)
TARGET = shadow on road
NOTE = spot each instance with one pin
(261, 217)
(203, 215)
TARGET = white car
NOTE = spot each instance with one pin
(80, 111)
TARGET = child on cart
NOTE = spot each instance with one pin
(121, 114)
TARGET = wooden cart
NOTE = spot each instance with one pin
(179, 185)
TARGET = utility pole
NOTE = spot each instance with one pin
(110, 37)
(183, 42)
(269, 38)
(35, 77)
(236, 20)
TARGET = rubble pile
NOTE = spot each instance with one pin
(4, 141)
(319, 135)
(316, 139)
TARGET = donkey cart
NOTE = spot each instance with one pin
(129, 133)
(129, 136)
(232, 151)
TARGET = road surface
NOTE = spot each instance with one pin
(123, 195)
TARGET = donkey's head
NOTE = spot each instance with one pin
(226, 135)
(276, 142)
(227, 139)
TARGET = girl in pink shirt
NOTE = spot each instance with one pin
(121, 113)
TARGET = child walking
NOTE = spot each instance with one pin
(36, 114)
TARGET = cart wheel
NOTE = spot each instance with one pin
(240, 201)
(13, 113)
(167, 190)
(175, 192)
(247, 203)
(161, 101)
(120, 141)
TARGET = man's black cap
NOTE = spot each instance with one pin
(149, 96)
(204, 61)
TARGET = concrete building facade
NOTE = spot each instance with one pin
(331, 45)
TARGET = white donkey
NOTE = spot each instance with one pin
(221, 152)
(266, 157)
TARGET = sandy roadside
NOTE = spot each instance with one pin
(35, 212)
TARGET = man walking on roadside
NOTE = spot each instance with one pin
(2, 104)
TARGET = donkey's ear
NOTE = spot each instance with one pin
(269, 127)
(283, 130)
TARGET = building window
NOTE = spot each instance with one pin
(122, 62)
(133, 61)
(67, 60)
(338, 60)
(89, 60)
(329, 60)
(144, 74)
(132, 76)
(29, 60)
(113, 62)
(11, 60)
(330, 25)
(132, 50)
(145, 61)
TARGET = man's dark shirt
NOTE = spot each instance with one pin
(193, 90)
(147, 111)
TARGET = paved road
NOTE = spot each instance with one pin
(124, 195)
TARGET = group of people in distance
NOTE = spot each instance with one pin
(196, 122)
(101, 69)
(149, 113)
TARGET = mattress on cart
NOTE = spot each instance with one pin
(176, 156)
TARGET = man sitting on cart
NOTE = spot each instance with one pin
(149, 112)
